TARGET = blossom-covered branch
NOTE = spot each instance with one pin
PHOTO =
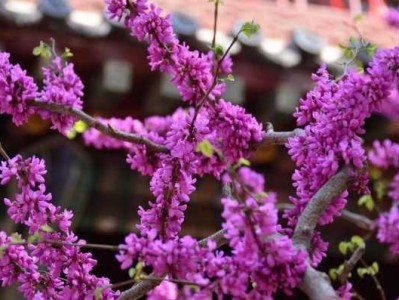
(97, 124)
(142, 287)
(309, 218)
(316, 284)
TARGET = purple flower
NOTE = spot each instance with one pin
(237, 131)
(158, 29)
(16, 88)
(61, 86)
(333, 114)
(388, 229)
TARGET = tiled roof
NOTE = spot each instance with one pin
(276, 21)
(334, 25)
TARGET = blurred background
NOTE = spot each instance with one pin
(271, 69)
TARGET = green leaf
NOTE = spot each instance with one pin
(333, 274)
(205, 147)
(138, 269)
(230, 77)
(71, 134)
(261, 195)
(371, 48)
(367, 201)
(375, 267)
(244, 162)
(37, 51)
(42, 50)
(361, 272)
(67, 53)
(343, 247)
(249, 28)
(132, 272)
(98, 293)
(381, 188)
(34, 237)
(218, 50)
(358, 241)
(16, 238)
(360, 68)
(47, 228)
(80, 126)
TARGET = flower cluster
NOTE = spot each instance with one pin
(385, 155)
(210, 136)
(333, 115)
(191, 71)
(55, 250)
(261, 257)
(270, 260)
(388, 229)
(16, 88)
(62, 86)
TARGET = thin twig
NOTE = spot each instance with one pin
(351, 263)
(376, 281)
(217, 237)
(3, 153)
(358, 220)
(215, 79)
(122, 283)
(103, 128)
(61, 243)
(215, 22)
(179, 281)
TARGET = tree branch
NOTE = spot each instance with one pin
(358, 220)
(272, 137)
(141, 288)
(103, 128)
(3, 153)
(307, 222)
(316, 284)
(351, 263)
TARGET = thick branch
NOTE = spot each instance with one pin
(307, 222)
(316, 284)
(272, 137)
(94, 123)
(141, 288)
